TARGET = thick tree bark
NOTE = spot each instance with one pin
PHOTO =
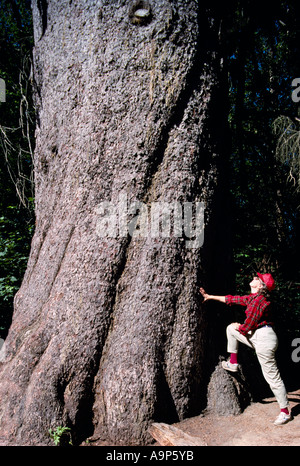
(108, 334)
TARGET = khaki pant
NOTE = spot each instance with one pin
(264, 341)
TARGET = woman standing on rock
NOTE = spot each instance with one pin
(258, 333)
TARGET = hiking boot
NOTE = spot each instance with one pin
(283, 418)
(228, 366)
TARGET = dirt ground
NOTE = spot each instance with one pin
(254, 427)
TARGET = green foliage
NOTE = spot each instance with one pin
(16, 149)
(15, 235)
(264, 165)
(60, 434)
(261, 67)
(17, 113)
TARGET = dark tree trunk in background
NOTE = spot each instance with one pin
(108, 333)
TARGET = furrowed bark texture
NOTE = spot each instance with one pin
(108, 334)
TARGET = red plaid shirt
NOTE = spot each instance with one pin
(257, 311)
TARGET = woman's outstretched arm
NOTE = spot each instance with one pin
(207, 296)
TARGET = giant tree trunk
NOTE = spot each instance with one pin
(108, 332)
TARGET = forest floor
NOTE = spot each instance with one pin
(254, 427)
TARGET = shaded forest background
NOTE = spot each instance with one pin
(261, 55)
